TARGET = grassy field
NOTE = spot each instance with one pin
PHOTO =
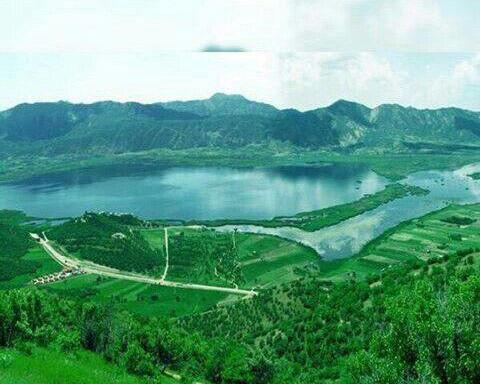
(315, 220)
(47, 366)
(140, 298)
(393, 166)
(264, 260)
(429, 238)
(268, 260)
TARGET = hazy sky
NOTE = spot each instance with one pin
(299, 53)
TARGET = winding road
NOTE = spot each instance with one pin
(90, 267)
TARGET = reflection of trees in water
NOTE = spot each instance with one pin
(325, 171)
(58, 180)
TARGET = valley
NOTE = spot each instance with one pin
(239, 192)
(254, 245)
(407, 264)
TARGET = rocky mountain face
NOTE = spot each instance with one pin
(230, 121)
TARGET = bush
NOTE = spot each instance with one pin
(6, 359)
(68, 342)
(458, 220)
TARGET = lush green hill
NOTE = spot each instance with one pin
(108, 239)
(20, 257)
(52, 366)
(230, 121)
(404, 310)
(221, 104)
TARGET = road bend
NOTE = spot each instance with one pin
(102, 270)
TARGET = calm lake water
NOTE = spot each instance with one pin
(191, 192)
(348, 237)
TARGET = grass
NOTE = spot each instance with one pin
(393, 166)
(318, 219)
(140, 298)
(429, 238)
(47, 266)
(264, 259)
(269, 260)
(47, 366)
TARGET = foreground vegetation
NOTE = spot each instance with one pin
(139, 298)
(56, 366)
(318, 219)
(405, 310)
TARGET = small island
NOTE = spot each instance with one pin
(475, 176)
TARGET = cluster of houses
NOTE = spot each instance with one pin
(67, 272)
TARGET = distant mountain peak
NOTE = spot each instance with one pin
(343, 102)
(225, 96)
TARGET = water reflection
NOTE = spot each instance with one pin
(348, 237)
(192, 192)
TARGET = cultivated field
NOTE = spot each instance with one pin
(263, 261)
(429, 238)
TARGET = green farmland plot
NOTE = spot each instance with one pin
(143, 299)
(263, 260)
(431, 236)
(426, 239)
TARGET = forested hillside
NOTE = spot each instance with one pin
(14, 244)
(107, 239)
(415, 318)
(230, 121)
(417, 323)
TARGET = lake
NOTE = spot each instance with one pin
(191, 192)
(344, 239)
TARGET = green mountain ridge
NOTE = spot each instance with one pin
(227, 121)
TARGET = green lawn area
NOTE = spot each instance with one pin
(47, 266)
(265, 260)
(47, 366)
(140, 298)
(155, 237)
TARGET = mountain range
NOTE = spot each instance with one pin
(231, 121)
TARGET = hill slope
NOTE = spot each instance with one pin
(229, 121)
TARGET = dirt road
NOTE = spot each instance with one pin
(102, 270)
